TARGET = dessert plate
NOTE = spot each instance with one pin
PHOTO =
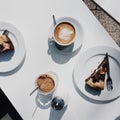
(79, 35)
(10, 60)
(88, 62)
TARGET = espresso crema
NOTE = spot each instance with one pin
(64, 33)
(45, 83)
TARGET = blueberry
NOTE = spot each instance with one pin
(57, 103)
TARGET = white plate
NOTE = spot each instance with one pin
(12, 59)
(89, 61)
(79, 34)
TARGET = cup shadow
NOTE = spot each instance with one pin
(43, 101)
(58, 54)
(57, 115)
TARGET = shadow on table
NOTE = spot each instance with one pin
(118, 118)
(57, 115)
(43, 101)
(60, 56)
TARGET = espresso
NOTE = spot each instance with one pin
(64, 33)
(45, 83)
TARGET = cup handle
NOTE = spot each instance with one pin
(54, 20)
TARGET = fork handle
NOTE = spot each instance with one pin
(108, 66)
(54, 20)
(6, 32)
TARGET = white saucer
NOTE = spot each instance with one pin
(79, 35)
(9, 61)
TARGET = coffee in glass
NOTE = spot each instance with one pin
(47, 83)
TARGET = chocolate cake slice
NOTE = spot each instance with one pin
(5, 43)
(97, 79)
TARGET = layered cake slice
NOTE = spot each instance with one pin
(97, 79)
(5, 43)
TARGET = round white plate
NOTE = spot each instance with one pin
(79, 34)
(12, 59)
(88, 62)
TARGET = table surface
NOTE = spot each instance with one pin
(111, 7)
(33, 19)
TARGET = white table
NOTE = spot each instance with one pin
(111, 7)
(33, 19)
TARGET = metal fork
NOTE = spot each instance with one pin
(109, 80)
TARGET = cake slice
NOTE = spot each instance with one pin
(5, 43)
(97, 79)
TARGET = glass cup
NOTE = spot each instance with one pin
(47, 83)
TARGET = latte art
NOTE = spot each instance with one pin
(64, 33)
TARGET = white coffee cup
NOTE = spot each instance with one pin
(64, 32)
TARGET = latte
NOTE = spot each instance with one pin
(64, 33)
